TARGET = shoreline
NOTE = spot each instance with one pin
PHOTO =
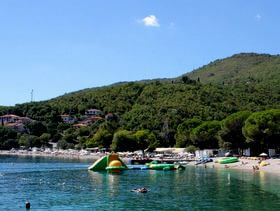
(53, 154)
(244, 164)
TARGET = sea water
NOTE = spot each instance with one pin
(57, 184)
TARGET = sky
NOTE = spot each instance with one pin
(59, 46)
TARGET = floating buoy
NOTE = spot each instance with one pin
(27, 205)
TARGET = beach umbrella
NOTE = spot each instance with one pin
(263, 155)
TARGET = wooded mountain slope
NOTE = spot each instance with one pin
(238, 83)
(241, 82)
(240, 68)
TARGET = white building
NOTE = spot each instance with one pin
(209, 153)
(93, 112)
(68, 119)
(15, 122)
(9, 118)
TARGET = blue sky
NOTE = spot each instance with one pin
(59, 46)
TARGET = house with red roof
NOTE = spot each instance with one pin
(15, 122)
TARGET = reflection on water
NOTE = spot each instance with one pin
(70, 186)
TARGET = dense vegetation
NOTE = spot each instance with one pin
(217, 105)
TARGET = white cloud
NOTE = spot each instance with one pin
(258, 17)
(150, 20)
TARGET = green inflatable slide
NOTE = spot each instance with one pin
(111, 163)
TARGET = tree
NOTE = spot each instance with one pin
(123, 140)
(231, 136)
(144, 138)
(187, 80)
(184, 130)
(62, 144)
(191, 149)
(83, 131)
(36, 128)
(70, 136)
(44, 139)
(263, 129)
(102, 138)
(205, 135)
(7, 138)
(63, 126)
(167, 134)
(29, 141)
(9, 144)
(6, 135)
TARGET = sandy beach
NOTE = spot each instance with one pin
(244, 163)
(65, 154)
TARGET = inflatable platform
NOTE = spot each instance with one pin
(112, 163)
(154, 165)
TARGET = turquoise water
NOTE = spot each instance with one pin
(55, 184)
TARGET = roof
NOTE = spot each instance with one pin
(79, 125)
(170, 150)
(95, 118)
(10, 115)
(64, 115)
(93, 109)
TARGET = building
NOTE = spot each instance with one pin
(17, 126)
(93, 112)
(87, 121)
(210, 153)
(14, 122)
(111, 117)
(9, 118)
(170, 150)
(79, 125)
(66, 118)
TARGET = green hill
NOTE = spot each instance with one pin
(240, 68)
(241, 82)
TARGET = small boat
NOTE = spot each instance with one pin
(228, 160)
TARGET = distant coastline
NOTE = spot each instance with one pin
(244, 164)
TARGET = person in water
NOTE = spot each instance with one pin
(140, 190)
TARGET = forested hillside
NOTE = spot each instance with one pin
(243, 82)
(240, 68)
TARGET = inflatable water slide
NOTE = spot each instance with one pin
(112, 163)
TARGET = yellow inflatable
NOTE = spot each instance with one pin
(264, 163)
(115, 163)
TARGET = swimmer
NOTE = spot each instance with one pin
(140, 190)
(143, 190)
